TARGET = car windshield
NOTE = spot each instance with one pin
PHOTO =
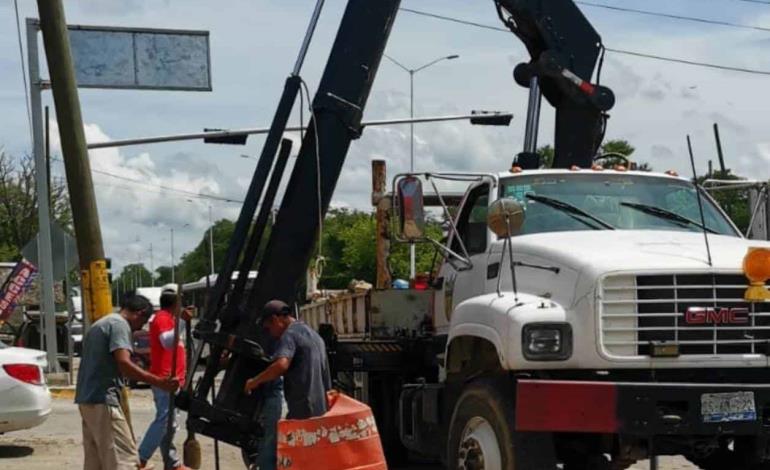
(623, 201)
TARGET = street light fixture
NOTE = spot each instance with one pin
(411, 73)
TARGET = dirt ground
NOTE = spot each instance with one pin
(57, 443)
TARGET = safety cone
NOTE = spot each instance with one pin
(345, 437)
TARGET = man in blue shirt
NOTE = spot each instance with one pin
(299, 357)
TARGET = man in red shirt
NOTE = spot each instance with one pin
(161, 353)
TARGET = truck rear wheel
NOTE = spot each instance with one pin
(480, 435)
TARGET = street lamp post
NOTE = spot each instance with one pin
(411, 73)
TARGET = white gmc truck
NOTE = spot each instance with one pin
(583, 318)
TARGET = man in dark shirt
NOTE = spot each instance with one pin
(299, 357)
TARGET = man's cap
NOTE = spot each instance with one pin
(274, 307)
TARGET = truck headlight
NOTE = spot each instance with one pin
(547, 341)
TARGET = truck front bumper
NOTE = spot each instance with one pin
(642, 409)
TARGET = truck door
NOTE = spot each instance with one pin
(457, 280)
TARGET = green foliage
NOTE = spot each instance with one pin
(132, 276)
(546, 153)
(620, 146)
(18, 204)
(197, 263)
(735, 202)
(349, 247)
(162, 275)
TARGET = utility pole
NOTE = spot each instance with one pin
(211, 241)
(173, 269)
(93, 265)
(152, 267)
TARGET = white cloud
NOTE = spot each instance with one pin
(139, 201)
(658, 103)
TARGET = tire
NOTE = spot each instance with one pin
(480, 432)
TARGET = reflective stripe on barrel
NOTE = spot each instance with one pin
(345, 437)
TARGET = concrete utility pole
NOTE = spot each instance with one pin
(44, 249)
(93, 265)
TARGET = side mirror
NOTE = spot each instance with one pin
(411, 208)
(505, 217)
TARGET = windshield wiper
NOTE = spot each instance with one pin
(666, 214)
(570, 209)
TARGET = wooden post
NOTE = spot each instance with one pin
(93, 265)
(382, 204)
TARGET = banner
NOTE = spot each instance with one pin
(13, 287)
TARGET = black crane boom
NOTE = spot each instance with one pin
(564, 50)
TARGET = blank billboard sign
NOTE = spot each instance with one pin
(140, 58)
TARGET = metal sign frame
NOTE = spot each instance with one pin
(138, 31)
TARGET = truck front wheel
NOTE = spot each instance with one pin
(480, 436)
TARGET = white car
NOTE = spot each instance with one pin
(25, 401)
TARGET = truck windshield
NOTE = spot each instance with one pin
(626, 202)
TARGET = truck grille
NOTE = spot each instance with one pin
(640, 310)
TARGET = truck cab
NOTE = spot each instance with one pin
(608, 324)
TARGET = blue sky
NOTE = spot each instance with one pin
(254, 45)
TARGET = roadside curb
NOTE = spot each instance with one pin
(62, 393)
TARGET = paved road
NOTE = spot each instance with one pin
(57, 443)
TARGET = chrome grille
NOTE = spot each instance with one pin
(640, 310)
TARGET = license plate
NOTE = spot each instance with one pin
(726, 407)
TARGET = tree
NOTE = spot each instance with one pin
(18, 204)
(735, 202)
(616, 146)
(163, 275)
(349, 248)
(133, 276)
(546, 153)
(619, 146)
(197, 263)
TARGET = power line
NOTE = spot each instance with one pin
(23, 72)
(761, 2)
(690, 62)
(454, 20)
(617, 51)
(672, 16)
(164, 188)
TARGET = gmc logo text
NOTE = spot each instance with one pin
(716, 316)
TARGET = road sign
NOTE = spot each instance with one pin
(141, 58)
(64, 248)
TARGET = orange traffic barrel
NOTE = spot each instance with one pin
(345, 438)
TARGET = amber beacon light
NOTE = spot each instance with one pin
(756, 267)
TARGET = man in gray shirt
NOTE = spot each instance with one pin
(108, 442)
(299, 357)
